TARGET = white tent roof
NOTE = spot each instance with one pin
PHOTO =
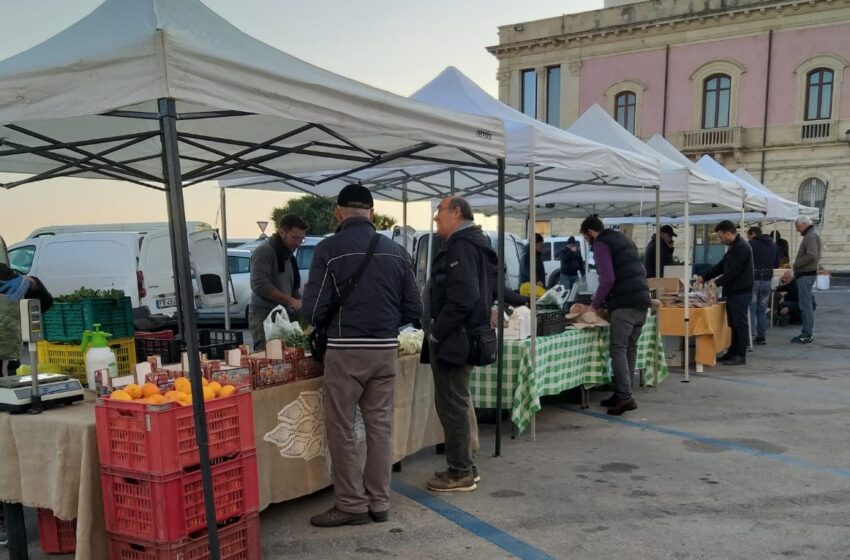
(676, 178)
(127, 54)
(802, 209)
(579, 170)
(778, 208)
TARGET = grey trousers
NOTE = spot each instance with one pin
(258, 333)
(626, 324)
(365, 377)
(452, 400)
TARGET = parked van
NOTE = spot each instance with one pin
(552, 259)
(139, 263)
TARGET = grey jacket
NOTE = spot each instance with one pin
(809, 253)
(265, 276)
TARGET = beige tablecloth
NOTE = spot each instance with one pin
(50, 460)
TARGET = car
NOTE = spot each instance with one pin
(552, 259)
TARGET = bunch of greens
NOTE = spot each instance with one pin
(87, 293)
(296, 340)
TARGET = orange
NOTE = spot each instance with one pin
(204, 381)
(149, 390)
(226, 391)
(215, 386)
(187, 400)
(134, 391)
(145, 400)
(121, 395)
(173, 395)
(156, 398)
(209, 394)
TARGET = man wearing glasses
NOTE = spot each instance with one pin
(274, 276)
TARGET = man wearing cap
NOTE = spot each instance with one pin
(525, 263)
(571, 264)
(275, 279)
(360, 362)
(667, 235)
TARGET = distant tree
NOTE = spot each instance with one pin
(318, 211)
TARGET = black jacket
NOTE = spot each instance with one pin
(525, 267)
(765, 257)
(463, 281)
(735, 269)
(630, 289)
(386, 297)
(571, 262)
(649, 258)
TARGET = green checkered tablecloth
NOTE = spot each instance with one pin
(577, 357)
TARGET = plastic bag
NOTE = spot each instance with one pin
(556, 296)
(278, 326)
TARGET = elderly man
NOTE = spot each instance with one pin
(362, 352)
(623, 289)
(735, 272)
(458, 299)
(275, 279)
(805, 272)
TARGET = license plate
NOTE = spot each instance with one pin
(162, 303)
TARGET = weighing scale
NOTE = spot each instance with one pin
(33, 392)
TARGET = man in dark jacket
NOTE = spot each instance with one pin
(361, 357)
(624, 291)
(735, 273)
(666, 250)
(788, 310)
(459, 297)
(765, 259)
(805, 267)
(572, 265)
(525, 263)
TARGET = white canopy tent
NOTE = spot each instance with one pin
(166, 94)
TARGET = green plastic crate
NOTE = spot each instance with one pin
(66, 322)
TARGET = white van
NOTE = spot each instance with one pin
(552, 259)
(137, 263)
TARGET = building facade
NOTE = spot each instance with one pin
(758, 84)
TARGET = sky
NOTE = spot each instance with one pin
(396, 45)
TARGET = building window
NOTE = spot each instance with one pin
(553, 95)
(813, 193)
(529, 93)
(819, 94)
(625, 107)
(717, 90)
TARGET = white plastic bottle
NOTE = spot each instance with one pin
(99, 357)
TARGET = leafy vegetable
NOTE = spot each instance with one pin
(87, 293)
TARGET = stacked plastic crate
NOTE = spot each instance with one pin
(152, 490)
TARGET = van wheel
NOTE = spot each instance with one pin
(554, 278)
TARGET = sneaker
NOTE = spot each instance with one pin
(451, 483)
(800, 339)
(735, 361)
(760, 340)
(475, 476)
(379, 516)
(336, 518)
(622, 406)
(610, 401)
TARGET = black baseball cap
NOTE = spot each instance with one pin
(668, 229)
(355, 196)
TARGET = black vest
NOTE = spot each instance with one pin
(630, 288)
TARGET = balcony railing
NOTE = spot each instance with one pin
(712, 139)
(817, 131)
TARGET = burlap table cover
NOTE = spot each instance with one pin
(50, 460)
(707, 324)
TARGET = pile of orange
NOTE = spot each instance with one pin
(181, 394)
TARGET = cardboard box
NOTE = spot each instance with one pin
(518, 328)
(665, 285)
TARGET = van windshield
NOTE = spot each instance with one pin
(20, 259)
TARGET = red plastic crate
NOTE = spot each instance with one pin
(239, 540)
(171, 507)
(160, 439)
(55, 535)
(158, 335)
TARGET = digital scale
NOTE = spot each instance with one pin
(34, 392)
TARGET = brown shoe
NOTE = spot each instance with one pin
(379, 516)
(446, 482)
(622, 406)
(475, 476)
(336, 518)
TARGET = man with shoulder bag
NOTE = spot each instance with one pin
(361, 290)
(458, 299)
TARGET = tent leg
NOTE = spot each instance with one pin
(687, 279)
(404, 218)
(533, 279)
(500, 289)
(226, 272)
(177, 219)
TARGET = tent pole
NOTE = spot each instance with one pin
(177, 219)
(172, 246)
(434, 203)
(687, 279)
(500, 324)
(743, 233)
(658, 273)
(532, 274)
(404, 216)
(226, 271)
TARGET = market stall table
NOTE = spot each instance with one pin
(51, 461)
(707, 324)
(574, 358)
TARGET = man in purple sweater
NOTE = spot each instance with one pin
(624, 291)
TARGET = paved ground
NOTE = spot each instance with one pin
(741, 463)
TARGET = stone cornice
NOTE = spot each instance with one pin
(762, 9)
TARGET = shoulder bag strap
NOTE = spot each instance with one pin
(351, 283)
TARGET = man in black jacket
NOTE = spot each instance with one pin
(666, 250)
(735, 273)
(361, 357)
(459, 297)
(765, 259)
(572, 265)
(539, 268)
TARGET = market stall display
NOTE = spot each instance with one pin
(707, 324)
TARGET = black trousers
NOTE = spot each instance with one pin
(737, 313)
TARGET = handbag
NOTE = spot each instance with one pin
(483, 345)
(318, 339)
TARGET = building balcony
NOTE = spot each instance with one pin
(712, 139)
(818, 131)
